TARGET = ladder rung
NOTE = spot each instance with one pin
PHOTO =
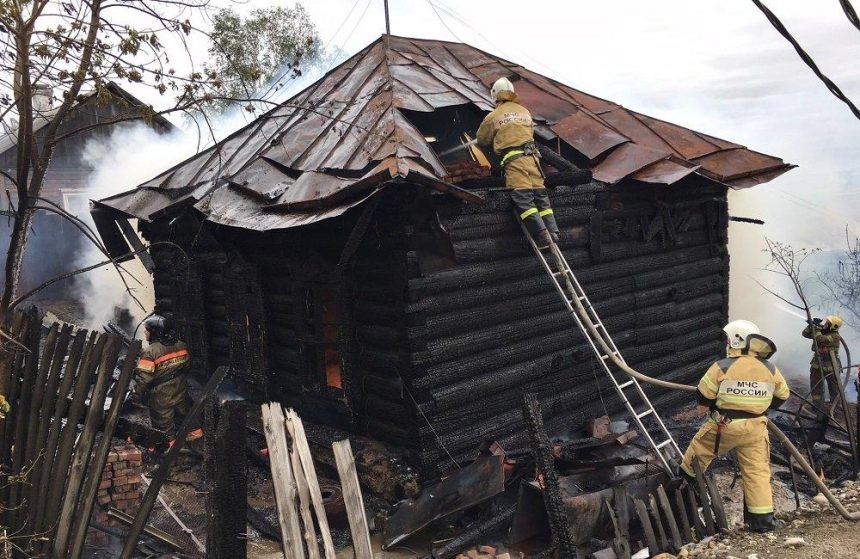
(644, 413)
(625, 385)
(664, 443)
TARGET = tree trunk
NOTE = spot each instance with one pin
(15, 256)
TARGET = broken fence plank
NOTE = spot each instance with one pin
(304, 494)
(693, 511)
(283, 481)
(352, 499)
(717, 504)
(647, 527)
(622, 512)
(83, 448)
(666, 508)
(99, 458)
(300, 442)
(707, 509)
(681, 506)
(657, 520)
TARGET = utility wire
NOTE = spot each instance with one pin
(849, 11)
(342, 23)
(777, 24)
(360, 18)
(444, 23)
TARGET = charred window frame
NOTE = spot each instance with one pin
(320, 343)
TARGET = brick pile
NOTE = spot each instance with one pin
(120, 487)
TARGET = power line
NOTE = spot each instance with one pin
(834, 89)
(444, 23)
(849, 11)
(342, 23)
(360, 18)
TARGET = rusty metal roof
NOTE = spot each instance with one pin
(338, 141)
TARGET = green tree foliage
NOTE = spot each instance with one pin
(254, 55)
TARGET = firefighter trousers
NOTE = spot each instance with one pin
(533, 207)
(750, 440)
(169, 403)
(817, 380)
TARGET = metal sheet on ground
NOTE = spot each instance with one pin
(481, 480)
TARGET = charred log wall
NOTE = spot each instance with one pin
(489, 328)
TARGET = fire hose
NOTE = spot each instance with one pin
(771, 426)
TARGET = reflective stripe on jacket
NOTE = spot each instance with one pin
(157, 360)
(744, 383)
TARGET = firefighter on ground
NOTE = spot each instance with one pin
(737, 391)
(160, 379)
(509, 131)
(821, 368)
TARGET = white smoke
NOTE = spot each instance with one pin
(128, 156)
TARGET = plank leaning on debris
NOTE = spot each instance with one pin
(304, 493)
(352, 499)
(283, 481)
(300, 442)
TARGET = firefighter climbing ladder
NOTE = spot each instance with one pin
(634, 398)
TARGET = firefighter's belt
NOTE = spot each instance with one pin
(165, 378)
(514, 153)
(737, 414)
(723, 418)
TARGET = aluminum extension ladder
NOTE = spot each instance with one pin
(627, 387)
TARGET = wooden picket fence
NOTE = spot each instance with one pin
(57, 380)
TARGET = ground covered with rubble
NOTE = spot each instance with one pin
(813, 531)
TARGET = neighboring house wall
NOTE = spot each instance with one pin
(461, 321)
(56, 243)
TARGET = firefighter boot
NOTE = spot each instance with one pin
(761, 523)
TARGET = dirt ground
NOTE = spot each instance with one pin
(814, 531)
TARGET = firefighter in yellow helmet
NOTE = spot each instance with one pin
(509, 130)
(825, 338)
(737, 391)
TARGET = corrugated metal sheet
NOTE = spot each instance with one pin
(323, 149)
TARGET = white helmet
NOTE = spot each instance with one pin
(502, 84)
(737, 332)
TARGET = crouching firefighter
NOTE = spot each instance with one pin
(737, 391)
(509, 131)
(160, 380)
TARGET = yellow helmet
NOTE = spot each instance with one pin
(834, 321)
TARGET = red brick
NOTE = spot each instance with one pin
(104, 500)
(133, 479)
(133, 495)
(131, 454)
(105, 484)
(112, 457)
(117, 481)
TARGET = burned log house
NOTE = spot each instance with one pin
(328, 258)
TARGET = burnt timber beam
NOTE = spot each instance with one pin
(541, 450)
